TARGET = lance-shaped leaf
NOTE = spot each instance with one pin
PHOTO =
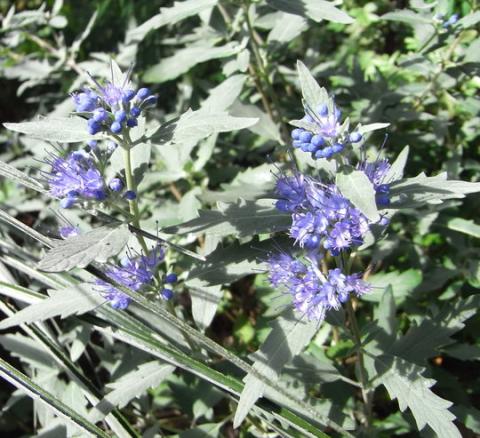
(463, 226)
(241, 219)
(68, 415)
(184, 59)
(404, 381)
(63, 130)
(128, 387)
(170, 16)
(396, 170)
(73, 300)
(358, 189)
(288, 337)
(312, 93)
(317, 10)
(415, 192)
(78, 251)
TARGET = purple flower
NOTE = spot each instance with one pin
(377, 172)
(321, 215)
(135, 273)
(75, 176)
(67, 231)
(85, 101)
(313, 293)
(112, 105)
(291, 191)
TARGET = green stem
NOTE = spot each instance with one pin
(366, 395)
(131, 185)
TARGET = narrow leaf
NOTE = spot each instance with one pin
(131, 385)
(396, 170)
(78, 251)
(288, 337)
(73, 300)
(169, 16)
(21, 381)
(317, 10)
(184, 59)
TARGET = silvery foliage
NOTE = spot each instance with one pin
(216, 223)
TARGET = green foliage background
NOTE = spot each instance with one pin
(421, 320)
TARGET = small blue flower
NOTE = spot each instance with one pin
(312, 292)
(167, 294)
(85, 101)
(116, 127)
(67, 231)
(171, 278)
(291, 191)
(130, 195)
(143, 93)
(74, 176)
(136, 273)
(116, 184)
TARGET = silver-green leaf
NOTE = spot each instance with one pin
(73, 300)
(63, 130)
(78, 251)
(358, 189)
(404, 381)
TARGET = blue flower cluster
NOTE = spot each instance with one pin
(136, 273)
(446, 22)
(75, 177)
(313, 293)
(321, 215)
(321, 133)
(112, 108)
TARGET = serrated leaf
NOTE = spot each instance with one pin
(396, 170)
(78, 251)
(184, 59)
(358, 189)
(317, 10)
(130, 386)
(73, 300)
(243, 218)
(63, 130)
(169, 16)
(404, 381)
(288, 337)
(415, 192)
(423, 341)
